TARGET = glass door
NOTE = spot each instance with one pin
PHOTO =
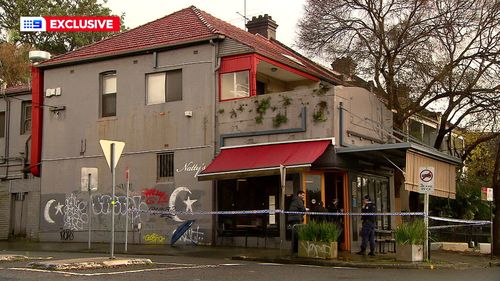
(314, 189)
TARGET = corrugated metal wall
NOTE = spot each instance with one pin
(4, 210)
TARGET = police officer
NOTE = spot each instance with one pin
(368, 228)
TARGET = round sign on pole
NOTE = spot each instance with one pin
(426, 179)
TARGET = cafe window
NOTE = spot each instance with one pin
(235, 85)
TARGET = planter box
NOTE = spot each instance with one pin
(318, 250)
(409, 252)
(485, 248)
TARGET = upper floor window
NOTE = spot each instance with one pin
(2, 124)
(108, 94)
(235, 85)
(25, 117)
(164, 87)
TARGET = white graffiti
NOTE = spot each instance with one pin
(192, 235)
(316, 250)
(101, 205)
(192, 167)
(75, 215)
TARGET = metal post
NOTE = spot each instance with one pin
(426, 221)
(491, 231)
(113, 201)
(282, 204)
(126, 213)
(89, 212)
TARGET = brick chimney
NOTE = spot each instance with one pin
(263, 25)
(345, 66)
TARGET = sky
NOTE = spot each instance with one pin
(286, 13)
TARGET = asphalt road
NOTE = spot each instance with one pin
(190, 268)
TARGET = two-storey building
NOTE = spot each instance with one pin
(209, 113)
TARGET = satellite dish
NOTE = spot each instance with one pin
(38, 56)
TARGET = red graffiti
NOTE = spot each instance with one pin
(155, 197)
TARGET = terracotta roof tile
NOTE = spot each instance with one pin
(183, 26)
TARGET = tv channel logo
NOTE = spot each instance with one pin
(33, 24)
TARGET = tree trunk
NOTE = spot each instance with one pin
(496, 194)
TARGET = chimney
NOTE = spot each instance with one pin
(345, 66)
(263, 25)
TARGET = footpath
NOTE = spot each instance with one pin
(439, 259)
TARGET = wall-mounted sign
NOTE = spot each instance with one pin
(487, 194)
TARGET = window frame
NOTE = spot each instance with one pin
(165, 86)
(2, 124)
(167, 160)
(102, 76)
(25, 120)
(250, 84)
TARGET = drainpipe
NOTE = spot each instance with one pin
(6, 132)
(341, 124)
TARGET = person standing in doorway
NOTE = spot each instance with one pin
(297, 205)
(368, 227)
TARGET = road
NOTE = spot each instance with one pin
(194, 269)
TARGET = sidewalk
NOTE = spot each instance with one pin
(439, 259)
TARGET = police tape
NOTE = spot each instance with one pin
(273, 212)
(473, 222)
(454, 225)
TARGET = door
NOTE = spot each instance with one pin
(19, 214)
(314, 189)
(378, 190)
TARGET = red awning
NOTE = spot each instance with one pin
(260, 158)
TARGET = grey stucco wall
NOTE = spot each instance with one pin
(71, 141)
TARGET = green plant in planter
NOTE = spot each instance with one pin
(319, 232)
(410, 233)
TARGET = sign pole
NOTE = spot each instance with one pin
(282, 204)
(89, 210)
(491, 231)
(126, 213)
(426, 222)
(113, 201)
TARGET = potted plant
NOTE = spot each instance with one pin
(410, 238)
(318, 240)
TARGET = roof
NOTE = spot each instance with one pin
(19, 89)
(183, 27)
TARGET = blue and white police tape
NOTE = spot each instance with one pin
(459, 221)
(273, 212)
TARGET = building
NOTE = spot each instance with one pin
(19, 190)
(208, 113)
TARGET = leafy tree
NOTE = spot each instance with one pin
(14, 64)
(53, 42)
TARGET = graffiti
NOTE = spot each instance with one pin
(101, 205)
(66, 234)
(75, 215)
(194, 236)
(155, 197)
(154, 238)
(316, 250)
(173, 198)
(192, 167)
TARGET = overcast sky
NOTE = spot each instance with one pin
(286, 13)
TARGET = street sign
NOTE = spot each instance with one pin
(93, 172)
(426, 179)
(487, 194)
(106, 148)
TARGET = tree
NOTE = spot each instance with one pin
(419, 54)
(14, 64)
(53, 42)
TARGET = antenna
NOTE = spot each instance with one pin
(244, 16)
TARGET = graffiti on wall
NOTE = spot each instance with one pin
(154, 238)
(74, 209)
(192, 235)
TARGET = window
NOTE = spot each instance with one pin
(164, 87)
(235, 85)
(165, 167)
(261, 88)
(25, 117)
(108, 94)
(2, 124)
